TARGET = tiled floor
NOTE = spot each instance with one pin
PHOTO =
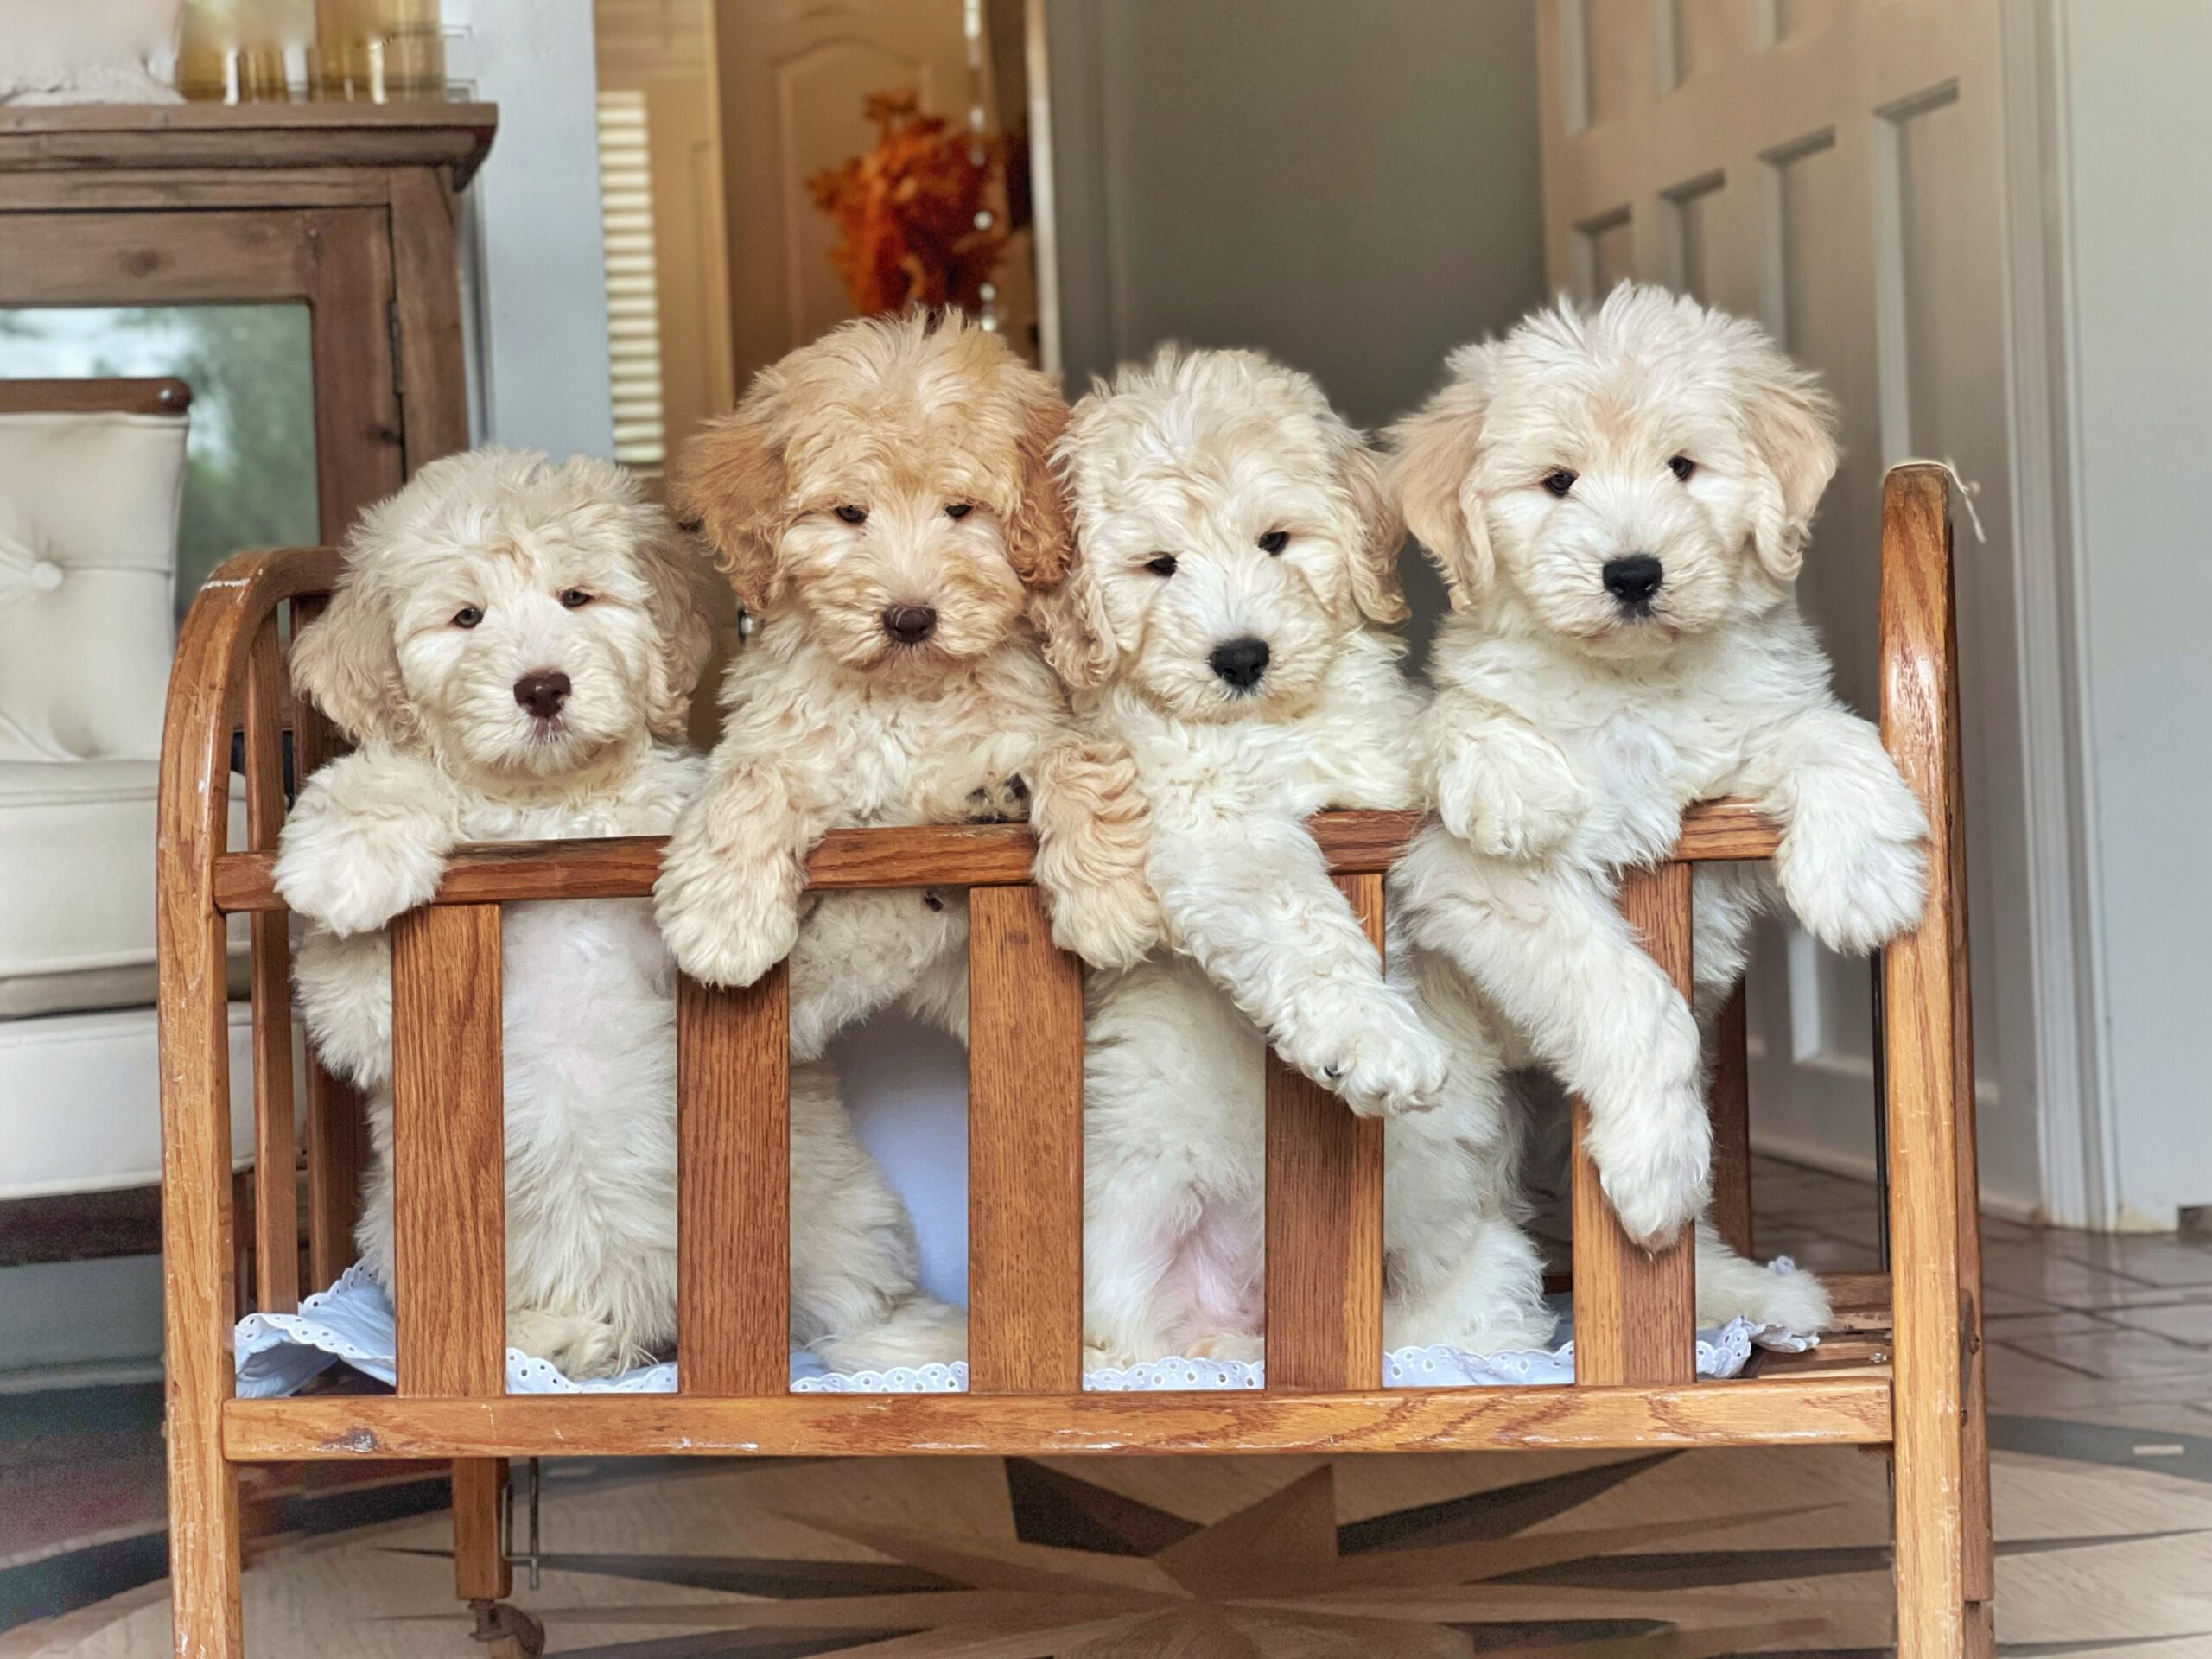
(2105, 1529)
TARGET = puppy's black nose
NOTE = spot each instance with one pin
(1241, 662)
(1633, 580)
(910, 624)
(542, 693)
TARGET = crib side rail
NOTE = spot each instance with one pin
(223, 666)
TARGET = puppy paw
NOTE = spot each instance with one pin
(1656, 1165)
(1854, 890)
(1005, 801)
(727, 929)
(920, 1330)
(354, 879)
(576, 1345)
(1794, 1300)
(1376, 1055)
(1229, 1347)
(1110, 922)
(1510, 798)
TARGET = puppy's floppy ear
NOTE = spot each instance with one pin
(1078, 636)
(1434, 458)
(672, 563)
(344, 662)
(1381, 533)
(729, 481)
(1791, 424)
(1040, 540)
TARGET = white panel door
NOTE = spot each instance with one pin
(1834, 168)
(794, 77)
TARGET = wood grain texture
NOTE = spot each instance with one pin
(1731, 1126)
(449, 1151)
(1851, 1410)
(275, 1149)
(1634, 1313)
(159, 395)
(175, 137)
(1930, 1097)
(1025, 1149)
(427, 287)
(733, 1297)
(357, 456)
(449, 1205)
(199, 1260)
(337, 1123)
(150, 257)
(1323, 1260)
(938, 854)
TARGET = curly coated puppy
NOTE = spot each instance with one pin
(1619, 499)
(1237, 549)
(881, 501)
(512, 646)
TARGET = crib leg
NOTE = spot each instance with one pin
(480, 1572)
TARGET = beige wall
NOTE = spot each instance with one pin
(1352, 185)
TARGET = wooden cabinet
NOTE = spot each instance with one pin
(349, 208)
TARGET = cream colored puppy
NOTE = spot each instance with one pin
(883, 503)
(1237, 547)
(1619, 499)
(512, 645)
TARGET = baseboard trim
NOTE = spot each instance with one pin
(1859, 1166)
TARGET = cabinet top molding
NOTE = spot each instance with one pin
(214, 136)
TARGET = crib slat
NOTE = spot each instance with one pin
(276, 1151)
(1634, 1313)
(1324, 1221)
(448, 1151)
(337, 1129)
(1025, 1149)
(448, 1147)
(1732, 1127)
(733, 1296)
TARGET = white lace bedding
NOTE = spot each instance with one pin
(278, 1353)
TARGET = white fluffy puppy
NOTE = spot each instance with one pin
(1237, 546)
(883, 503)
(511, 642)
(1619, 499)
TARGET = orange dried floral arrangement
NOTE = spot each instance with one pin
(908, 212)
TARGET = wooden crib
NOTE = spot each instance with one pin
(1904, 1372)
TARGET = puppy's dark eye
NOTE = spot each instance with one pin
(1161, 564)
(1275, 541)
(853, 515)
(1559, 481)
(960, 510)
(1681, 467)
(467, 617)
(575, 599)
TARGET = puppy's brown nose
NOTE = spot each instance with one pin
(542, 693)
(910, 624)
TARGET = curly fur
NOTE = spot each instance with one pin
(1205, 456)
(447, 754)
(1569, 730)
(936, 436)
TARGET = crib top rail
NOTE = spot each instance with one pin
(961, 855)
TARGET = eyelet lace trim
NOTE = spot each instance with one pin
(277, 1353)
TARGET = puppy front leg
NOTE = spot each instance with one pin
(1852, 861)
(1253, 904)
(858, 952)
(1548, 947)
(1093, 828)
(727, 896)
(367, 838)
(345, 992)
(1498, 783)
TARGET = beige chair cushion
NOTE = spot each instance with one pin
(88, 513)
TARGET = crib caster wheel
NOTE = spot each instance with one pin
(506, 1631)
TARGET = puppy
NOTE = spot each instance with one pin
(881, 502)
(512, 645)
(1237, 549)
(1619, 499)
